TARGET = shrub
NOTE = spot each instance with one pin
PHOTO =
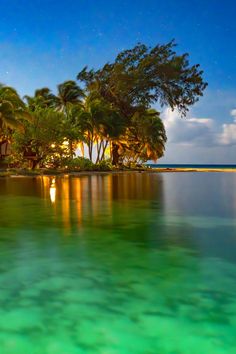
(77, 164)
(104, 165)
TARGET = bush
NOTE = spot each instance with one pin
(14, 160)
(5, 174)
(77, 164)
(104, 165)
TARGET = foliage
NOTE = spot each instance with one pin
(145, 138)
(43, 98)
(104, 165)
(142, 76)
(111, 117)
(99, 123)
(77, 164)
(12, 108)
(42, 138)
(15, 160)
(68, 93)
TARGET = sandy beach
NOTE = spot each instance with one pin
(193, 170)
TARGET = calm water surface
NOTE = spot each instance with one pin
(129, 263)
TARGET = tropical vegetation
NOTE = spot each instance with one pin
(105, 117)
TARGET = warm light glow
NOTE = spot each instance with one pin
(66, 143)
(65, 191)
(53, 145)
(52, 191)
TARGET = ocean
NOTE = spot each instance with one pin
(192, 166)
(131, 263)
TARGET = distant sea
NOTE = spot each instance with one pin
(191, 166)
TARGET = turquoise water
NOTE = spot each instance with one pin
(126, 263)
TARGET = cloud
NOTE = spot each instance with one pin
(207, 135)
(199, 132)
(233, 114)
(189, 130)
(228, 134)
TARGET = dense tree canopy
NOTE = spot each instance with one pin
(42, 138)
(143, 76)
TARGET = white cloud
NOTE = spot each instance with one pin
(199, 132)
(207, 135)
(233, 114)
(228, 136)
(189, 130)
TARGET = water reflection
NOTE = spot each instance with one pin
(152, 210)
(94, 196)
(52, 190)
(206, 194)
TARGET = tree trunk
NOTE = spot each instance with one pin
(82, 149)
(115, 154)
(90, 145)
(98, 151)
(104, 150)
(71, 148)
(33, 163)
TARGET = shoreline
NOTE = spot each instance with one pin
(45, 173)
(186, 169)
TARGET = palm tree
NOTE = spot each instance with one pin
(72, 132)
(43, 98)
(42, 137)
(69, 93)
(12, 114)
(69, 101)
(11, 108)
(145, 137)
(100, 124)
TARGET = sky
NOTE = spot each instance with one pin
(43, 43)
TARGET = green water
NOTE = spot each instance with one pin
(133, 263)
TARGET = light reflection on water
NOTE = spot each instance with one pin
(52, 190)
(118, 263)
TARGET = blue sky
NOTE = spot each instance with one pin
(43, 43)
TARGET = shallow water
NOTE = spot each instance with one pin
(129, 263)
